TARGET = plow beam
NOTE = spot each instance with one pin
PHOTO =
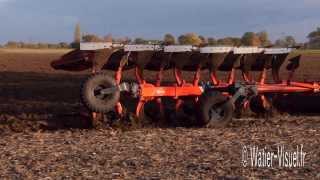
(149, 90)
(292, 87)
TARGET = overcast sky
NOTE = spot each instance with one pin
(54, 20)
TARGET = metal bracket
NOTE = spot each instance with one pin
(132, 88)
(246, 91)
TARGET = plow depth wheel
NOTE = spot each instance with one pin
(100, 93)
(215, 109)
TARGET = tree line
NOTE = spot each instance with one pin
(15, 44)
(260, 39)
(248, 39)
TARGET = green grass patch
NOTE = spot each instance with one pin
(307, 51)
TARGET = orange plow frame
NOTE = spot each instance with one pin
(261, 89)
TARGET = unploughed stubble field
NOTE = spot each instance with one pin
(43, 137)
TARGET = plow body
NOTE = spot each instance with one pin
(215, 100)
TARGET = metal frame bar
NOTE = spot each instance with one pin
(151, 91)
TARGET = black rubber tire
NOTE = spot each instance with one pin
(94, 103)
(206, 104)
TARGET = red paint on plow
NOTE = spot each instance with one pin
(188, 58)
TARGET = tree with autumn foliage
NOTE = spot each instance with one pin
(250, 39)
(190, 39)
(264, 38)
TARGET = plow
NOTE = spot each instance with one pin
(214, 101)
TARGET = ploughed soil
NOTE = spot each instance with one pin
(44, 136)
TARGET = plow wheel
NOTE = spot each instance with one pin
(100, 93)
(215, 110)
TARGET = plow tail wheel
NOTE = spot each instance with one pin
(100, 93)
(215, 110)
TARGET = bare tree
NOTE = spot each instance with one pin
(287, 41)
(108, 38)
